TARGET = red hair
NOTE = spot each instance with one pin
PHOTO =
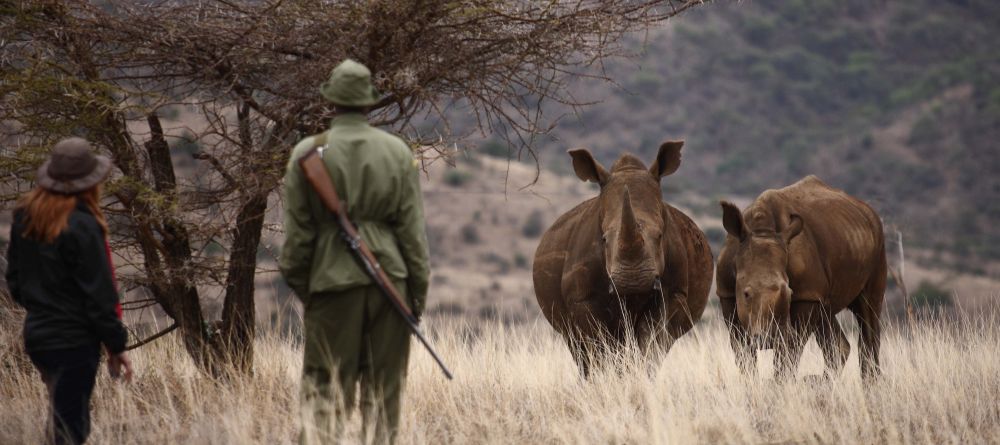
(46, 213)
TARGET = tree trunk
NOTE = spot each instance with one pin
(172, 287)
(238, 310)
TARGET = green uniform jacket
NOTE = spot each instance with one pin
(376, 175)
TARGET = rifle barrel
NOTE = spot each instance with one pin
(403, 311)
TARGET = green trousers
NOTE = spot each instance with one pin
(352, 337)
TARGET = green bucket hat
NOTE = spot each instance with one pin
(350, 85)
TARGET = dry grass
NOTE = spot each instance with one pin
(518, 385)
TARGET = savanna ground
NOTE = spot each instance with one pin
(517, 384)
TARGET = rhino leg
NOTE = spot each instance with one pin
(746, 353)
(832, 341)
(655, 342)
(654, 334)
(869, 320)
(655, 353)
(788, 350)
(786, 357)
(867, 310)
(580, 354)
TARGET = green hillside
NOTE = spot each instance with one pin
(896, 102)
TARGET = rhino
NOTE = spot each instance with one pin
(624, 265)
(791, 261)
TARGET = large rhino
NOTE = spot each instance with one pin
(792, 260)
(624, 264)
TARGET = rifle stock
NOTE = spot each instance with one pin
(319, 178)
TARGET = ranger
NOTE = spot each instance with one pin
(352, 332)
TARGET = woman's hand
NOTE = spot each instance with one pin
(117, 363)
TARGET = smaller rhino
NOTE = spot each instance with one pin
(792, 260)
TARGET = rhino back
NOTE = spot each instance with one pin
(843, 233)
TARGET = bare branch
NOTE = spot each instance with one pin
(152, 338)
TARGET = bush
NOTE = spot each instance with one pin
(534, 225)
(495, 149)
(926, 131)
(716, 237)
(646, 83)
(170, 112)
(759, 30)
(993, 102)
(930, 295)
(503, 266)
(520, 260)
(214, 248)
(187, 144)
(457, 178)
(470, 234)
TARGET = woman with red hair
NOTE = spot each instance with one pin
(59, 269)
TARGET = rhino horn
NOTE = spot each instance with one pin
(630, 239)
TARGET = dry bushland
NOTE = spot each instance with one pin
(517, 384)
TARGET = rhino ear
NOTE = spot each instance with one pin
(732, 220)
(587, 168)
(793, 228)
(668, 159)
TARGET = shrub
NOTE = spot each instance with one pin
(926, 131)
(716, 236)
(470, 234)
(646, 83)
(495, 149)
(502, 264)
(187, 144)
(520, 260)
(457, 178)
(169, 113)
(214, 248)
(534, 225)
(930, 295)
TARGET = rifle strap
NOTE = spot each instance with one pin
(319, 140)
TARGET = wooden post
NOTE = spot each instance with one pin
(898, 274)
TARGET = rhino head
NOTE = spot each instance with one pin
(763, 295)
(631, 213)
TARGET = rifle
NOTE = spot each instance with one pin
(316, 173)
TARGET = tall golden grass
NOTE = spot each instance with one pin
(517, 384)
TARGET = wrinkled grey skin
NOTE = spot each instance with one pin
(624, 263)
(792, 260)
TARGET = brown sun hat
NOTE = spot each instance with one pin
(72, 167)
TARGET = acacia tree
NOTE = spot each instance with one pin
(109, 70)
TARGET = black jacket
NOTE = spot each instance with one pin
(66, 286)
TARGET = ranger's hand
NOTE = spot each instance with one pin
(118, 363)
